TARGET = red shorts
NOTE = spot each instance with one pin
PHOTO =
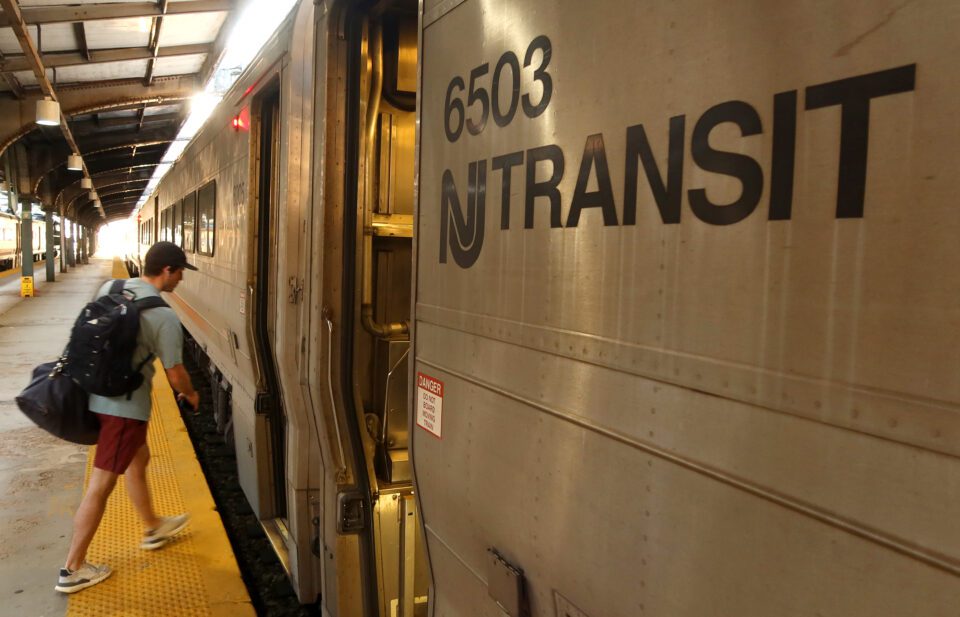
(119, 441)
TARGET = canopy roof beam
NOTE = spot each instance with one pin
(120, 10)
(97, 56)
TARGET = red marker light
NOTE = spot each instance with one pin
(241, 122)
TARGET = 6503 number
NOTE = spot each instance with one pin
(455, 113)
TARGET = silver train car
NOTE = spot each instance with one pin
(589, 309)
(10, 241)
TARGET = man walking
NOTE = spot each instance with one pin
(122, 444)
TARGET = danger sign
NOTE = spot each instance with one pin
(430, 404)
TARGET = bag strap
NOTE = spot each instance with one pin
(116, 287)
(149, 302)
(144, 304)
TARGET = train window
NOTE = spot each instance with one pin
(165, 225)
(189, 216)
(206, 217)
(177, 223)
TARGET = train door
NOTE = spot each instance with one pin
(381, 337)
(269, 401)
(368, 189)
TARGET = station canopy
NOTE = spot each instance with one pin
(123, 73)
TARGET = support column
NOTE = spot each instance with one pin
(71, 241)
(62, 243)
(26, 239)
(48, 230)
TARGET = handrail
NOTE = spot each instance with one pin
(342, 470)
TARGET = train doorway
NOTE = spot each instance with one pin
(269, 401)
(378, 241)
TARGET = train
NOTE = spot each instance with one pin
(10, 241)
(588, 309)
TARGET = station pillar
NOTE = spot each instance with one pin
(51, 252)
(63, 242)
(71, 241)
(26, 240)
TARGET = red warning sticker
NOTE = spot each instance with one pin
(430, 404)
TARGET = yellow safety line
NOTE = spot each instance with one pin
(194, 575)
(119, 270)
(36, 264)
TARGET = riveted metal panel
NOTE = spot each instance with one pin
(645, 412)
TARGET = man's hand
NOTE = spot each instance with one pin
(192, 399)
(180, 381)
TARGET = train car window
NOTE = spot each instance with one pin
(177, 223)
(206, 217)
(189, 216)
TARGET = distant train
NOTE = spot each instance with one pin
(10, 252)
(588, 309)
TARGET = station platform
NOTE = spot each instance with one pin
(42, 479)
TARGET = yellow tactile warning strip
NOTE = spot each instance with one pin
(196, 574)
(37, 267)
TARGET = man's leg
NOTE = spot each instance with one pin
(135, 480)
(89, 514)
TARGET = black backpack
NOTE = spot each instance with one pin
(99, 356)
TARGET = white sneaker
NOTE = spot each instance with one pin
(85, 576)
(169, 527)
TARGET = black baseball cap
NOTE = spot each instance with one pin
(163, 254)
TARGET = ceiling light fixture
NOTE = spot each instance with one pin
(86, 183)
(48, 112)
(74, 162)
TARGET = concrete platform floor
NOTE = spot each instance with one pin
(41, 477)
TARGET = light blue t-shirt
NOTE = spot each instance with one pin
(160, 334)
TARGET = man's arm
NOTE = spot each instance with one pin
(180, 381)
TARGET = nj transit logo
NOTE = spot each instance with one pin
(541, 169)
(467, 237)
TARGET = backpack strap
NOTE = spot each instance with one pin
(149, 302)
(144, 304)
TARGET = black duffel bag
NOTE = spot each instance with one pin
(58, 405)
